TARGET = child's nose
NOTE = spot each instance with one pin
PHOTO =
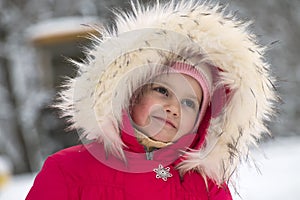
(172, 107)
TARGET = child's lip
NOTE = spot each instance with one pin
(167, 121)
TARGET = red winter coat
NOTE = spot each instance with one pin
(85, 172)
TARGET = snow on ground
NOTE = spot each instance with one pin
(279, 178)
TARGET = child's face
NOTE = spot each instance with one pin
(168, 108)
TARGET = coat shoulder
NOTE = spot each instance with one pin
(71, 154)
(76, 159)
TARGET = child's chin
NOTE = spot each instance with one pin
(162, 138)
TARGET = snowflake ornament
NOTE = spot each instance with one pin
(163, 173)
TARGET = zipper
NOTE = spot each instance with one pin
(149, 155)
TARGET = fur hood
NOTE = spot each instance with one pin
(124, 58)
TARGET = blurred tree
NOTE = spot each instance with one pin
(29, 129)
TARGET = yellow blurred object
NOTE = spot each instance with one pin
(5, 171)
(4, 179)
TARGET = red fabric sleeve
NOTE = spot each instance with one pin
(218, 192)
(49, 184)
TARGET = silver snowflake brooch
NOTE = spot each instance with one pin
(163, 173)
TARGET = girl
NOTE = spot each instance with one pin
(171, 101)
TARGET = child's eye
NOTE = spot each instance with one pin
(161, 90)
(189, 103)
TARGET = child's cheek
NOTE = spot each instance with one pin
(187, 123)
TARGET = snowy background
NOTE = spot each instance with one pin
(36, 36)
